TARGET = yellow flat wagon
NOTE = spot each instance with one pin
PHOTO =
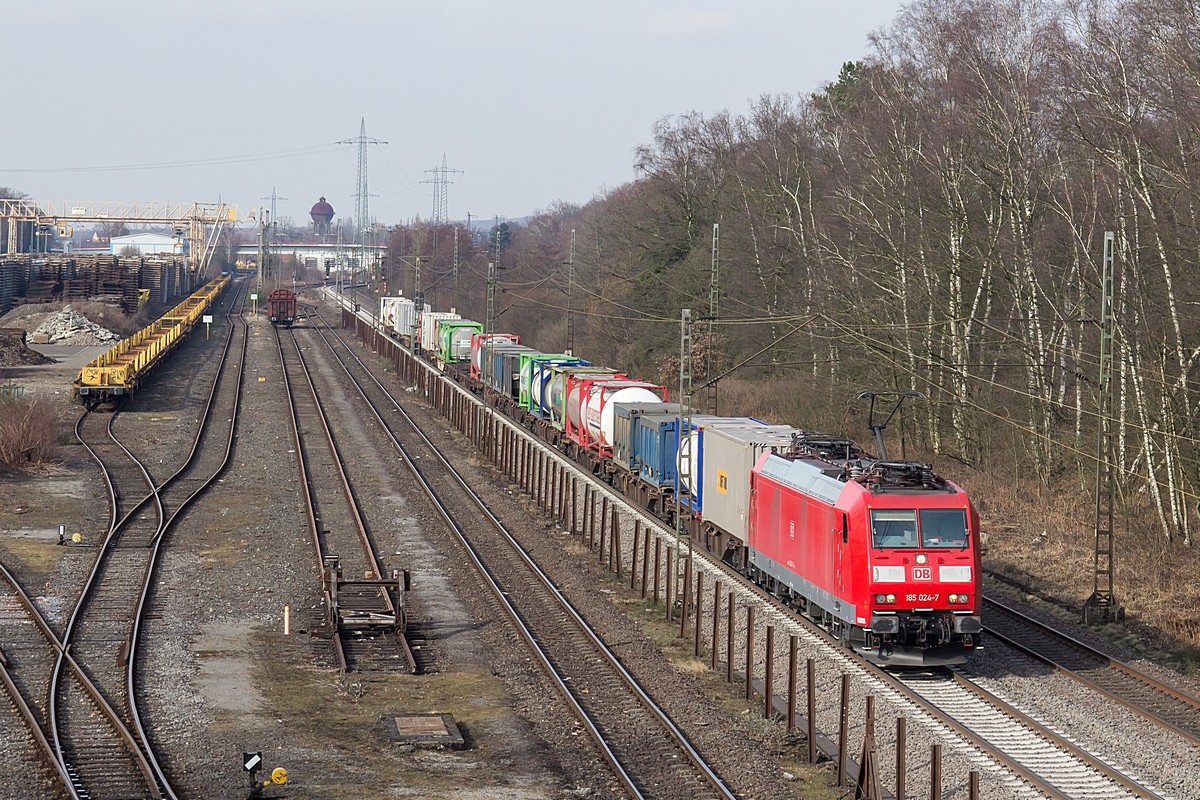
(122, 368)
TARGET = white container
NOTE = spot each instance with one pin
(404, 312)
(429, 321)
(730, 454)
(387, 311)
(480, 343)
(694, 446)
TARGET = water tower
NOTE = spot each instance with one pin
(322, 216)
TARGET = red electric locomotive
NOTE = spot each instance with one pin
(884, 553)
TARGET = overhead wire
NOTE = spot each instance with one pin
(199, 162)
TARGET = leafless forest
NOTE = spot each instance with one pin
(933, 219)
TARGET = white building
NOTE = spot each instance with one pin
(148, 244)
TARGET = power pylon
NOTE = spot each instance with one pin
(441, 191)
(362, 219)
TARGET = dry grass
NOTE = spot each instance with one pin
(29, 432)
(1039, 538)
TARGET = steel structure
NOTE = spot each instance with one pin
(202, 222)
(714, 294)
(570, 287)
(361, 214)
(441, 191)
(1102, 605)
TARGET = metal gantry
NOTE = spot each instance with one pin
(203, 222)
(1102, 606)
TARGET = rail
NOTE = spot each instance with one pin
(373, 597)
(537, 641)
(1006, 760)
(1125, 685)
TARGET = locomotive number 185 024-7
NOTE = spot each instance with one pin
(921, 598)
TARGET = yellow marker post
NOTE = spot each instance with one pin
(254, 303)
(207, 319)
(279, 776)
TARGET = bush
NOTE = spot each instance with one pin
(28, 432)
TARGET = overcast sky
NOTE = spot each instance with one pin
(534, 101)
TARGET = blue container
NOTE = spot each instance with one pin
(625, 423)
(656, 444)
(539, 382)
(506, 368)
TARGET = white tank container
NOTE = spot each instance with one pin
(429, 321)
(601, 409)
(387, 311)
(480, 344)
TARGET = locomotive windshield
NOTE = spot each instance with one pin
(943, 527)
(940, 527)
(893, 527)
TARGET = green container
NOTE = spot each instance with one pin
(527, 360)
(454, 339)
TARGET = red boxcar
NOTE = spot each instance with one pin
(281, 307)
(884, 553)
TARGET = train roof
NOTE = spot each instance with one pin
(842, 461)
(803, 476)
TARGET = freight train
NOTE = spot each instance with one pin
(120, 370)
(883, 553)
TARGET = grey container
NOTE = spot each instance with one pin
(729, 457)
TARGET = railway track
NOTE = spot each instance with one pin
(97, 741)
(1020, 748)
(368, 621)
(649, 755)
(1163, 705)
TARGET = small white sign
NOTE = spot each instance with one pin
(206, 319)
(253, 296)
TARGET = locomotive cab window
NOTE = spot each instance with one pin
(894, 527)
(944, 527)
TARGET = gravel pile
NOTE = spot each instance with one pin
(69, 327)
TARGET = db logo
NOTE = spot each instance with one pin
(922, 573)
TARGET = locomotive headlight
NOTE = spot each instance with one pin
(922, 558)
(883, 599)
(958, 598)
(891, 598)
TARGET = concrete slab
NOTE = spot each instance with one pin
(69, 355)
(425, 730)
